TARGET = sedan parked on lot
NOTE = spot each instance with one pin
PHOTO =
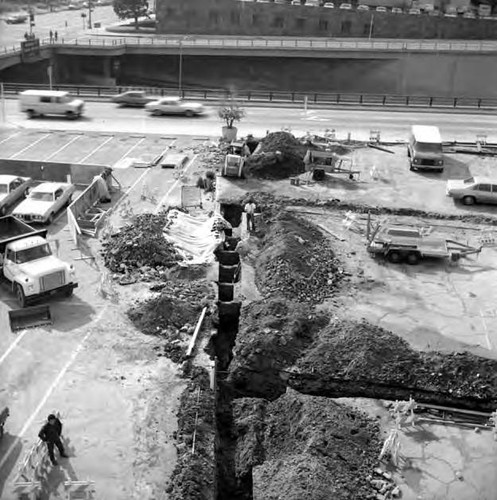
(469, 15)
(362, 7)
(136, 98)
(12, 188)
(44, 201)
(346, 6)
(329, 5)
(381, 8)
(397, 10)
(473, 190)
(414, 12)
(174, 106)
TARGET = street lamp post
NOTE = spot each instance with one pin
(180, 76)
(89, 13)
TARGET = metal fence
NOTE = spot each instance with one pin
(268, 97)
(289, 43)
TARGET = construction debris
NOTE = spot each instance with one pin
(140, 244)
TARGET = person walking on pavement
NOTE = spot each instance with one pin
(56, 35)
(249, 209)
(50, 433)
(51, 36)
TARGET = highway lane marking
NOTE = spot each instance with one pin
(129, 150)
(30, 146)
(96, 149)
(63, 147)
(12, 346)
(176, 182)
(52, 387)
(10, 137)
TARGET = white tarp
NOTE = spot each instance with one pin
(193, 236)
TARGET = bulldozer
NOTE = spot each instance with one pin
(233, 166)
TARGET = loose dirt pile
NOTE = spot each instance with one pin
(360, 359)
(305, 447)
(296, 262)
(280, 156)
(194, 475)
(172, 314)
(139, 245)
(272, 337)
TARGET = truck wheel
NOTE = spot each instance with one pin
(469, 200)
(395, 257)
(21, 298)
(413, 258)
(30, 113)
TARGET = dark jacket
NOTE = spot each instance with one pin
(51, 432)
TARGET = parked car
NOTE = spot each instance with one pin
(434, 13)
(469, 15)
(296, 2)
(174, 106)
(12, 188)
(44, 201)
(362, 7)
(312, 3)
(397, 10)
(346, 6)
(473, 190)
(136, 98)
(381, 8)
(414, 12)
(450, 11)
(329, 5)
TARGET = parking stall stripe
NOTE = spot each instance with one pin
(63, 147)
(30, 146)
(131, 149)
(12, 346)
(52, 387)
(10, 137)
(95, 150)
(170, 190)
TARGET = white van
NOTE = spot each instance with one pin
(50, 102)
(425, 148)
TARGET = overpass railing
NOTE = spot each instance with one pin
(268, 43)
(273, 97)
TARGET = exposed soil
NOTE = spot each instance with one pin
(296, 261)
(305, 447)
(195, 471)
(272, 336)
(172, 314)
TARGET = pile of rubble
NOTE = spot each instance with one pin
(279, 155)
(172, 314)
(140, 244)
(296, 262)
(299, 446)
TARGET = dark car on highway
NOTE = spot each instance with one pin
(135, 98)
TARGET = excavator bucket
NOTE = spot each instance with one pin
(29, 317)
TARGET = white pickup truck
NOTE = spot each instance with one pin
(28, 264)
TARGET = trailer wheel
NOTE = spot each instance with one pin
(469, 200)
(413, 258)
(394, 257)
(21, 298)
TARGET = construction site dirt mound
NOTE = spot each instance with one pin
(300, 446)
(139, 245)
(172, 314)
(272, 336)
(296, 261)
(279, 156)
(195, 471)
(360, 359)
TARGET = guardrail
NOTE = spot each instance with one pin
(273, 97)
(289, 43)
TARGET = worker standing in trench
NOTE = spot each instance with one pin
(249, 209)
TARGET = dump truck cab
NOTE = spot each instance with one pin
(29, 265)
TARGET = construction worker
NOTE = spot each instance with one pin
(249, 209)
(50, 434)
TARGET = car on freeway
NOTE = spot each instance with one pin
(414, 12)
(397, 10)
(74, 6)
(381, 8)
(329, 5)
(174, 106)
(12, 188)
(18, 19)
(44, 201)
(346, 6)
(473, 190)
(362, 7)
(136, 98)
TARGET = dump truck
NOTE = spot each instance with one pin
(28, 264)
(409, 244)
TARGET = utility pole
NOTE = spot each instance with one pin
(89, 13)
